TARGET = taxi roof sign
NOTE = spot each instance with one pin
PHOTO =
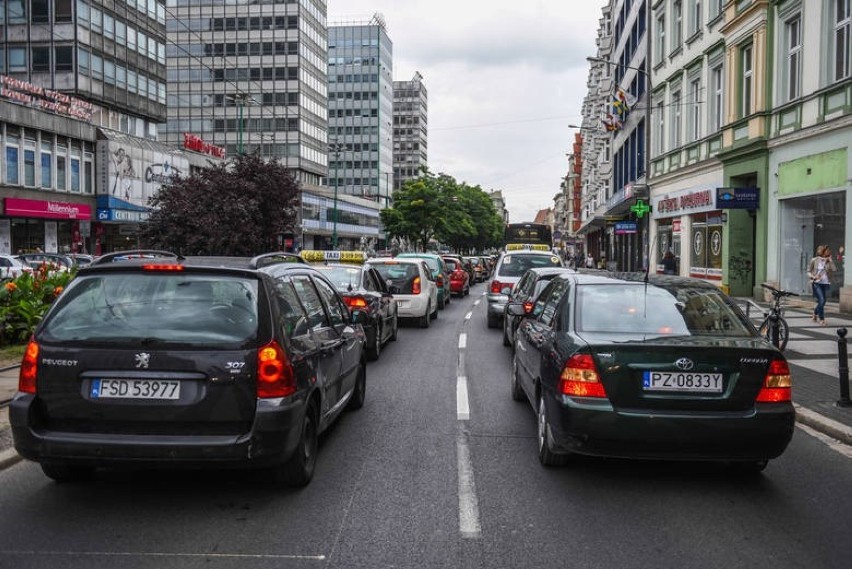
(357, 257)
(527, 247)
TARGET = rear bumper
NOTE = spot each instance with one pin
(591, 427)
(497, 304)
(457, 287)
(273, 438)
(412, 306)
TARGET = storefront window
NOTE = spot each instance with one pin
(806, 223)
(707, 246)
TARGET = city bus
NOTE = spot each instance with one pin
(529, 233)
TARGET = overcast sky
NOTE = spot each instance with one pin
(505, 79)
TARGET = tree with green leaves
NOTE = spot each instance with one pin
(239, 207)
(438, 207)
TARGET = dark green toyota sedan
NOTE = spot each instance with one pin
(658, 367)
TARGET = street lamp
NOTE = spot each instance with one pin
(336, 148)
(241, 99)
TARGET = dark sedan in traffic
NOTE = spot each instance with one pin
(634, 366)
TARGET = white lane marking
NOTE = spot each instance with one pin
(462, 341)
(477, 302)
(484, 292)
(163, 554)
(468, 315)
(469, 525)
(462, 404)
(831, 443)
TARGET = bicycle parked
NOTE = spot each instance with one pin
(774, 328)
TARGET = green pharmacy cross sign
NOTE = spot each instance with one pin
(640, 209)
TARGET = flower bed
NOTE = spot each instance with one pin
(24, 301)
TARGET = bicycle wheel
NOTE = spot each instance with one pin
(765, 330)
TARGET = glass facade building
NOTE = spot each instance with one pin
(360, 79)
(250, 76)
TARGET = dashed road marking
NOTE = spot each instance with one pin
(462, 404)
(477, 302)
(468, 315)
(462, 342)
(469, 525)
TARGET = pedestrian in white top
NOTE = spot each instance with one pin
(820, 270)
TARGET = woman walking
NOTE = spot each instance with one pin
(820, 270)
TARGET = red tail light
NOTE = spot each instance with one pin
(528, 307)
(415, 286)
(440, 281)
(355, 302)
(580, 377)
(275, 377)
(29, 369)
(777, 385)
(497, 287)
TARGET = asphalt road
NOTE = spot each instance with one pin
(404, 483)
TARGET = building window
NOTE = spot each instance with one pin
(695, 17)
(60, 171)
(747, 78)
(75, 174)
(16, 11)
(793, 67)
(97, 66)
(840, 39)
(676, 120)
(12, 164)
(677, 24)
(64, 58)
(46, 164)
(17, 59)
(41, 59)
(62, 11)
(695, 109)
(717, 100)
(716, 7)
(660, 38)
(661, 127)
(41, 11)
(29, 167)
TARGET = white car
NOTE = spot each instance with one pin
(11, 268)
(411, 283)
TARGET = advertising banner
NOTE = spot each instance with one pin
(17, 207)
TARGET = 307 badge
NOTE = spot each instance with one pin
(235, 367)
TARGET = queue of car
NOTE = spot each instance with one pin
(638, 366)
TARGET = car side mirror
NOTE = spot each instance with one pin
(516, 309)
(359, 317)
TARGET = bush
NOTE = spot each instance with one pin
(25, 299)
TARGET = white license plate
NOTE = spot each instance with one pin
(682, 381)
(135, 389)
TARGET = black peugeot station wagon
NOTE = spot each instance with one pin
(164, 361)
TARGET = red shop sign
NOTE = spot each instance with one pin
(16, 207)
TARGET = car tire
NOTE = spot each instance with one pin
(298, 470)
(448, 297)
(506, 341)
(62, 473)
(441, 303)
(374, 351)
(395, 330)
(360, 392)
(435, 314)
(517, 390)
(426, 319)
(546, 455)
(466, 291)
(491, 320)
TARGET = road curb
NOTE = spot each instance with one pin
(830, 427)
(9, 457)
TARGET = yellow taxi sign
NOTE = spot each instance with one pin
(334, 256)
(527, 247)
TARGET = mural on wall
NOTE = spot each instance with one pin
(132, 174)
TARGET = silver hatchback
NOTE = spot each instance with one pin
(509, 270)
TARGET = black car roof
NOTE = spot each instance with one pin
(603, 277)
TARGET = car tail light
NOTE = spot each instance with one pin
(528, 307)
(440, 280)
(497, 287)
(29, 369)
(777, 385)
(355, 302)
(415, 286)
(162, 267)
(580, 377)
(275, 377)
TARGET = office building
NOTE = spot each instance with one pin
(410, 129)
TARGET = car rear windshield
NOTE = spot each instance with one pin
(517, 265)
(155, 309)
(430, 261)
(658, 311)
(400, 275)
(344, 279)
(451, 265)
